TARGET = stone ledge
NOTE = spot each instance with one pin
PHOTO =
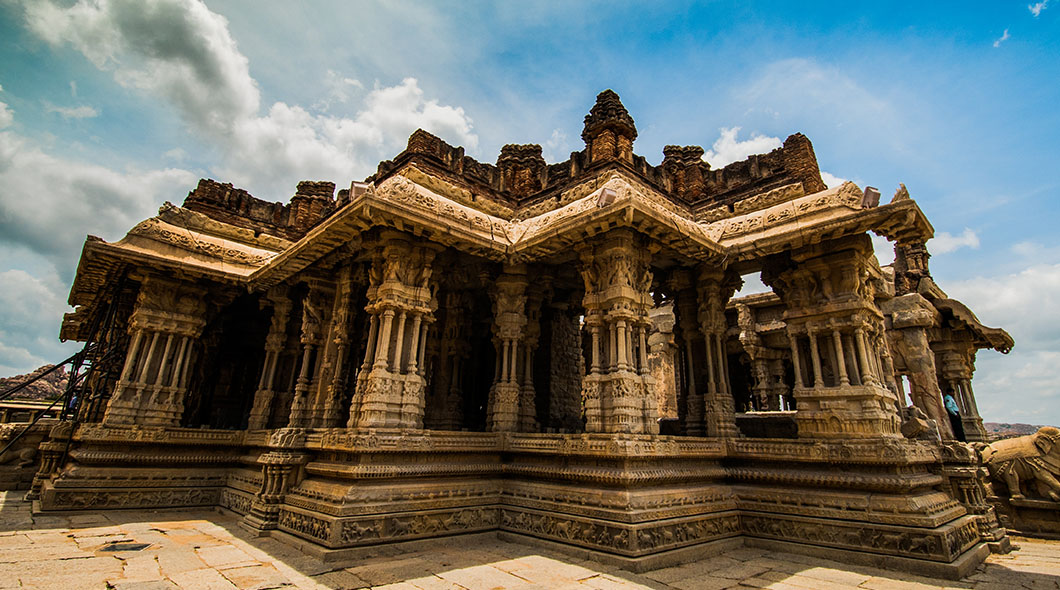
(956, 570)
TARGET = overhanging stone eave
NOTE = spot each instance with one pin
(419, 223)
(890, 220)
(635, 206)
(368, 211)
(101, 260)
(313, 246)
(118, 255)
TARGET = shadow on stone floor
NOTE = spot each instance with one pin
(205, 548)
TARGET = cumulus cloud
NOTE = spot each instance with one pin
(181, 52)
(1037, 8)
(340, 90)
(1004, 37)
(945, 242)
(557, 147)
(1027, 305)
(47, 205)
(883, 248)
(6, 116)
(831, 180)
(78, 112)
(805, 87)
(728, 149)
(31, 308)
(41, 194)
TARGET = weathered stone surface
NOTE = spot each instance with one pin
(456, 347)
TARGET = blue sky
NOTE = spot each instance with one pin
(111, 108)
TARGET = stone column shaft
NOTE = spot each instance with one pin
(142, 378)
(130, 356)
(382, 351)
(796, 361)
(400, 344)
(414, 346)
(373, 336)
(164, 364)
(643, 350)
(818, 376)
(594, 330)
(840, 361)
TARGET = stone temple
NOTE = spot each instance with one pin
(550, 351)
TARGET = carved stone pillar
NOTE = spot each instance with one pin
(167, 320)
(715, 287)
(446, 407)
(391, 394)
(537, 292)
(274, 343)
(617, 275)
(956, 360)
(828, 288)
(910, 317)
(686, 312)
(509, 327)
(311, 339)
(910, 263)
(338, 353)
(281, 468)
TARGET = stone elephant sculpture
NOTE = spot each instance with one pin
(1028, 465)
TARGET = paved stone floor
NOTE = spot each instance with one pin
(199, 549)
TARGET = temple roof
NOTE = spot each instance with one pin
(521, 210)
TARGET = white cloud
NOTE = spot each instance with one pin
(1004, 37)
(944, 242)
(181, 52)
(47, 206)
(73, 88)
(800, 87)
(340, 89)
(31, 309)
(1037, 8)
(78, 112)
(831, 180)
(727, 149)
(48, 203)
(176, 154)
(1027, 305)
(557, 148)
(883, 248)
(6, 116)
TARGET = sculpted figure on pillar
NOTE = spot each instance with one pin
(401, 304)
(312, 336)
(910, 317)
(509, 329)
(618, 392)
(446, 405)
(167, 320)
(328, 411)
(829, 290)
(715, 287)
(689, 341)
(281, 304)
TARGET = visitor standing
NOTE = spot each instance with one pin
(955, 417)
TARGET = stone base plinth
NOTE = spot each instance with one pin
(642, 500)
(1029, 517)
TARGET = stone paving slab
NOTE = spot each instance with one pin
(202, 549)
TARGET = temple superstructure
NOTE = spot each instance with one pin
(547, 350)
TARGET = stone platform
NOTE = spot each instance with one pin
(195, 548)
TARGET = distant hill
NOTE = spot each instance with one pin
(47, 388)
(1006, 430)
